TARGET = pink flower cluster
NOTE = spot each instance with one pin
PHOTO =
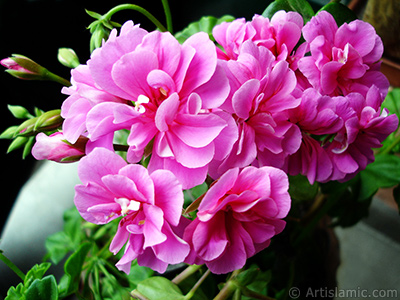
(246, 116)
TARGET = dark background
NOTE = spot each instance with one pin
(37, 28)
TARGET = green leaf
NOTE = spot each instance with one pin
(58, 245)
(16, 293)
(205, 24)
(159, 288)
(138, 274)
(340, 12)
(301, 6)
(43, 289)
(300, 188)
(73, 269)
(36, 272)
(384, 172)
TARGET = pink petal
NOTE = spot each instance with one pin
(166, 112)
(168, 195)
(130, 73)
(99, 163)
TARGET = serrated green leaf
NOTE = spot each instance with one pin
(16, 293)
(36, 272)
(159, 288)
(205, 24)
(43, 289)
(384, 172)
(301, 6)
(58, 245)
(341, 13)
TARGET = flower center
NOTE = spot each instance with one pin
(127, 205)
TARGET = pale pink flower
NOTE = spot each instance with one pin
(344, 59)
(237, 218)
(150, 206)
(260, 100)
(55, 147)
(161, 91)
(279, 35)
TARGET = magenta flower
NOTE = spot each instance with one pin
(339, 134)
(365, 129)
(344, 59)
(260, 100)
(150, 206)
(237, 218)
(279, 35)
(161, 91)
(54, 147)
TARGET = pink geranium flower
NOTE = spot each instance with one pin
(344, 59)
(150, 206)
(339, 134)
(279, 35)
(237, 218)
(163, 92)
(259, 101)
(55, 147)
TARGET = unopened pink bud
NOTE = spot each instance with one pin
(10, 64)
(54, 147)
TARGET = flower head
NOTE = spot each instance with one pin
(237, 217)
(344, 59)
(150, 206)
(279, 35)
(161, 91)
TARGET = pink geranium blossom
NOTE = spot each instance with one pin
(237, 218)
(161, 91)
(54, 147)
(279, 35)
(150, 206)
(259, 101)
(339, 134)
(344, 59)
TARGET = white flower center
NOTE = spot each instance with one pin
(142, 99)
(127, 205)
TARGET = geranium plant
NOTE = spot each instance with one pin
(208, 157)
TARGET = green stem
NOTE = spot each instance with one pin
(186, 273)
(53, 77)
(229, 288)
(197, 285)
(11, 265)
(137, 8)
(168, 16)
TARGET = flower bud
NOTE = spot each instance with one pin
(49, 120)
(54, 147)
(68, 58)
(23, 67)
